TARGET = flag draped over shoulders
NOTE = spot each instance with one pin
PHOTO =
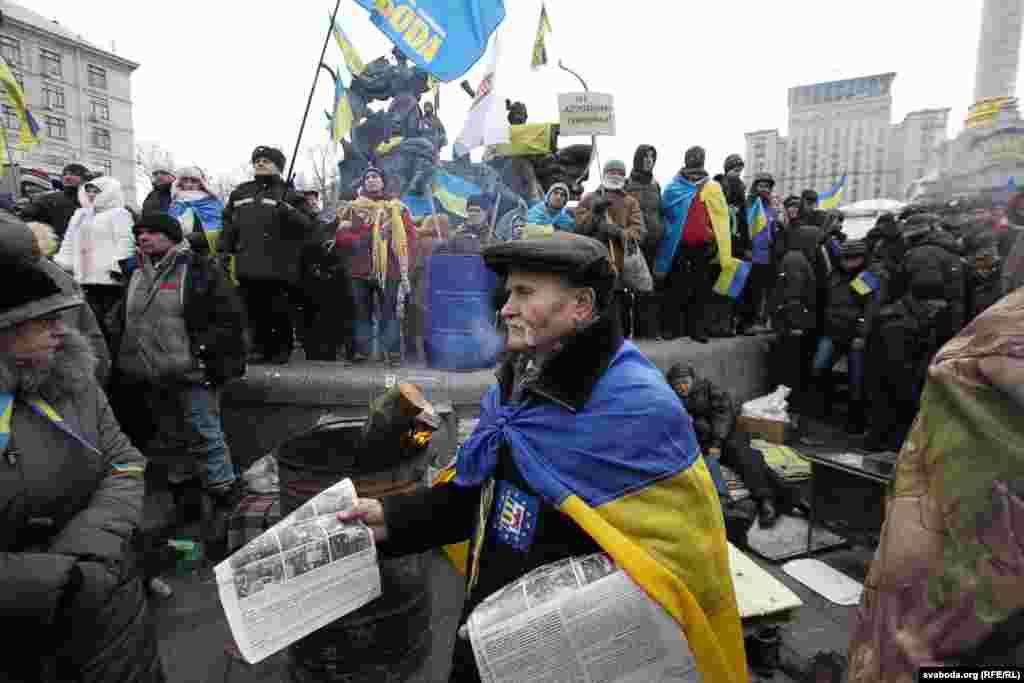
(627, 469)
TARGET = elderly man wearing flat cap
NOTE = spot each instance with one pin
(582, 447)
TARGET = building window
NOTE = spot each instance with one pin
(53, 97)
(101, 138)
(97, 77)
(100, 110)
(56, 128)
(106, 165)
(50, 63)
(10, 49)
(10, 118)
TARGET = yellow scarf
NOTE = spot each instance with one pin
(399, 242)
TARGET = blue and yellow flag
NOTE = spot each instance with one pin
(652, 507)
(342, 118)
(353, 61)
(540, 50)
(444, 37)
(866, 283)
(29, 133)
(757, 219)
(453, 192)
(676, 200)
(834, 196)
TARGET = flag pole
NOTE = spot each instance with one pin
(316, 77)
(593, 138)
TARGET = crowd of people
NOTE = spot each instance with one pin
(180, 295)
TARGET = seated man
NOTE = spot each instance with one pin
(714, 421)
(552, 211)
(583, 436)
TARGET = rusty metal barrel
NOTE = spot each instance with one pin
(388, 639)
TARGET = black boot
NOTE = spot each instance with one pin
(767, 515)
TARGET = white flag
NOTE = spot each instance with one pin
(486, 123)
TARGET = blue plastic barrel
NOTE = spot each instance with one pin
(460, 319)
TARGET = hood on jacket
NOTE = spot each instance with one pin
(190, 172)
(111, 195)
(640, 153)
(557, 186)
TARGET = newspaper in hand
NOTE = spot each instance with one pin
(298, 576)
(580, 620)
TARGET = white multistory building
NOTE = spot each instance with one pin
(79, 93)
(845, 127)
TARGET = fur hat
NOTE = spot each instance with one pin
(76, 169)
(275, 155)
(161, 222)
(27, 291)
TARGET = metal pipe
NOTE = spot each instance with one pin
(593, 138)
(309, 101)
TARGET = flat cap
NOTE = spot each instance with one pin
(584, 260)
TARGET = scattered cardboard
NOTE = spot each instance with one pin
(825, 580)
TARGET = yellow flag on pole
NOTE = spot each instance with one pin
(353, 61)
(29, 134)
(540, 50)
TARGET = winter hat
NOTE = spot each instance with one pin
(27, 291)
(681, 373)
(373, 169)
(733, 161)
(791, 200)
(809, 196)
(853, 248)
(694, 158)
(275, 156)
(614, 165)
(764, 178)
(76, 169)
(161, 222)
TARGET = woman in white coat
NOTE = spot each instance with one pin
(99, 236)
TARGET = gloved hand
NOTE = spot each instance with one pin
(858, 344)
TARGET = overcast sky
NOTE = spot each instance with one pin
(219, 77)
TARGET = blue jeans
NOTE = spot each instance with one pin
(203, 415)
(187, 421)
(826, 355)
(364, 294)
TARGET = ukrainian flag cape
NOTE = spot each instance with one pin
(676, 200)
(210, 212)
(628, 470)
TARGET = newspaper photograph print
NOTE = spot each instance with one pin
(580, 620)
(298, 576)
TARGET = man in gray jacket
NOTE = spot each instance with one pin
(179, 339)
(71, 491)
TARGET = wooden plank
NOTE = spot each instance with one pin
(758, 593)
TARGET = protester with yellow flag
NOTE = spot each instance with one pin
(582, 447)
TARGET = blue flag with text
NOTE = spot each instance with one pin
(445, 37)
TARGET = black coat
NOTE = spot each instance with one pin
(713, 413)
(934, 269)
(795, 294)
(265, 232)
(848, 315)
(158, 200)
(53, 208)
